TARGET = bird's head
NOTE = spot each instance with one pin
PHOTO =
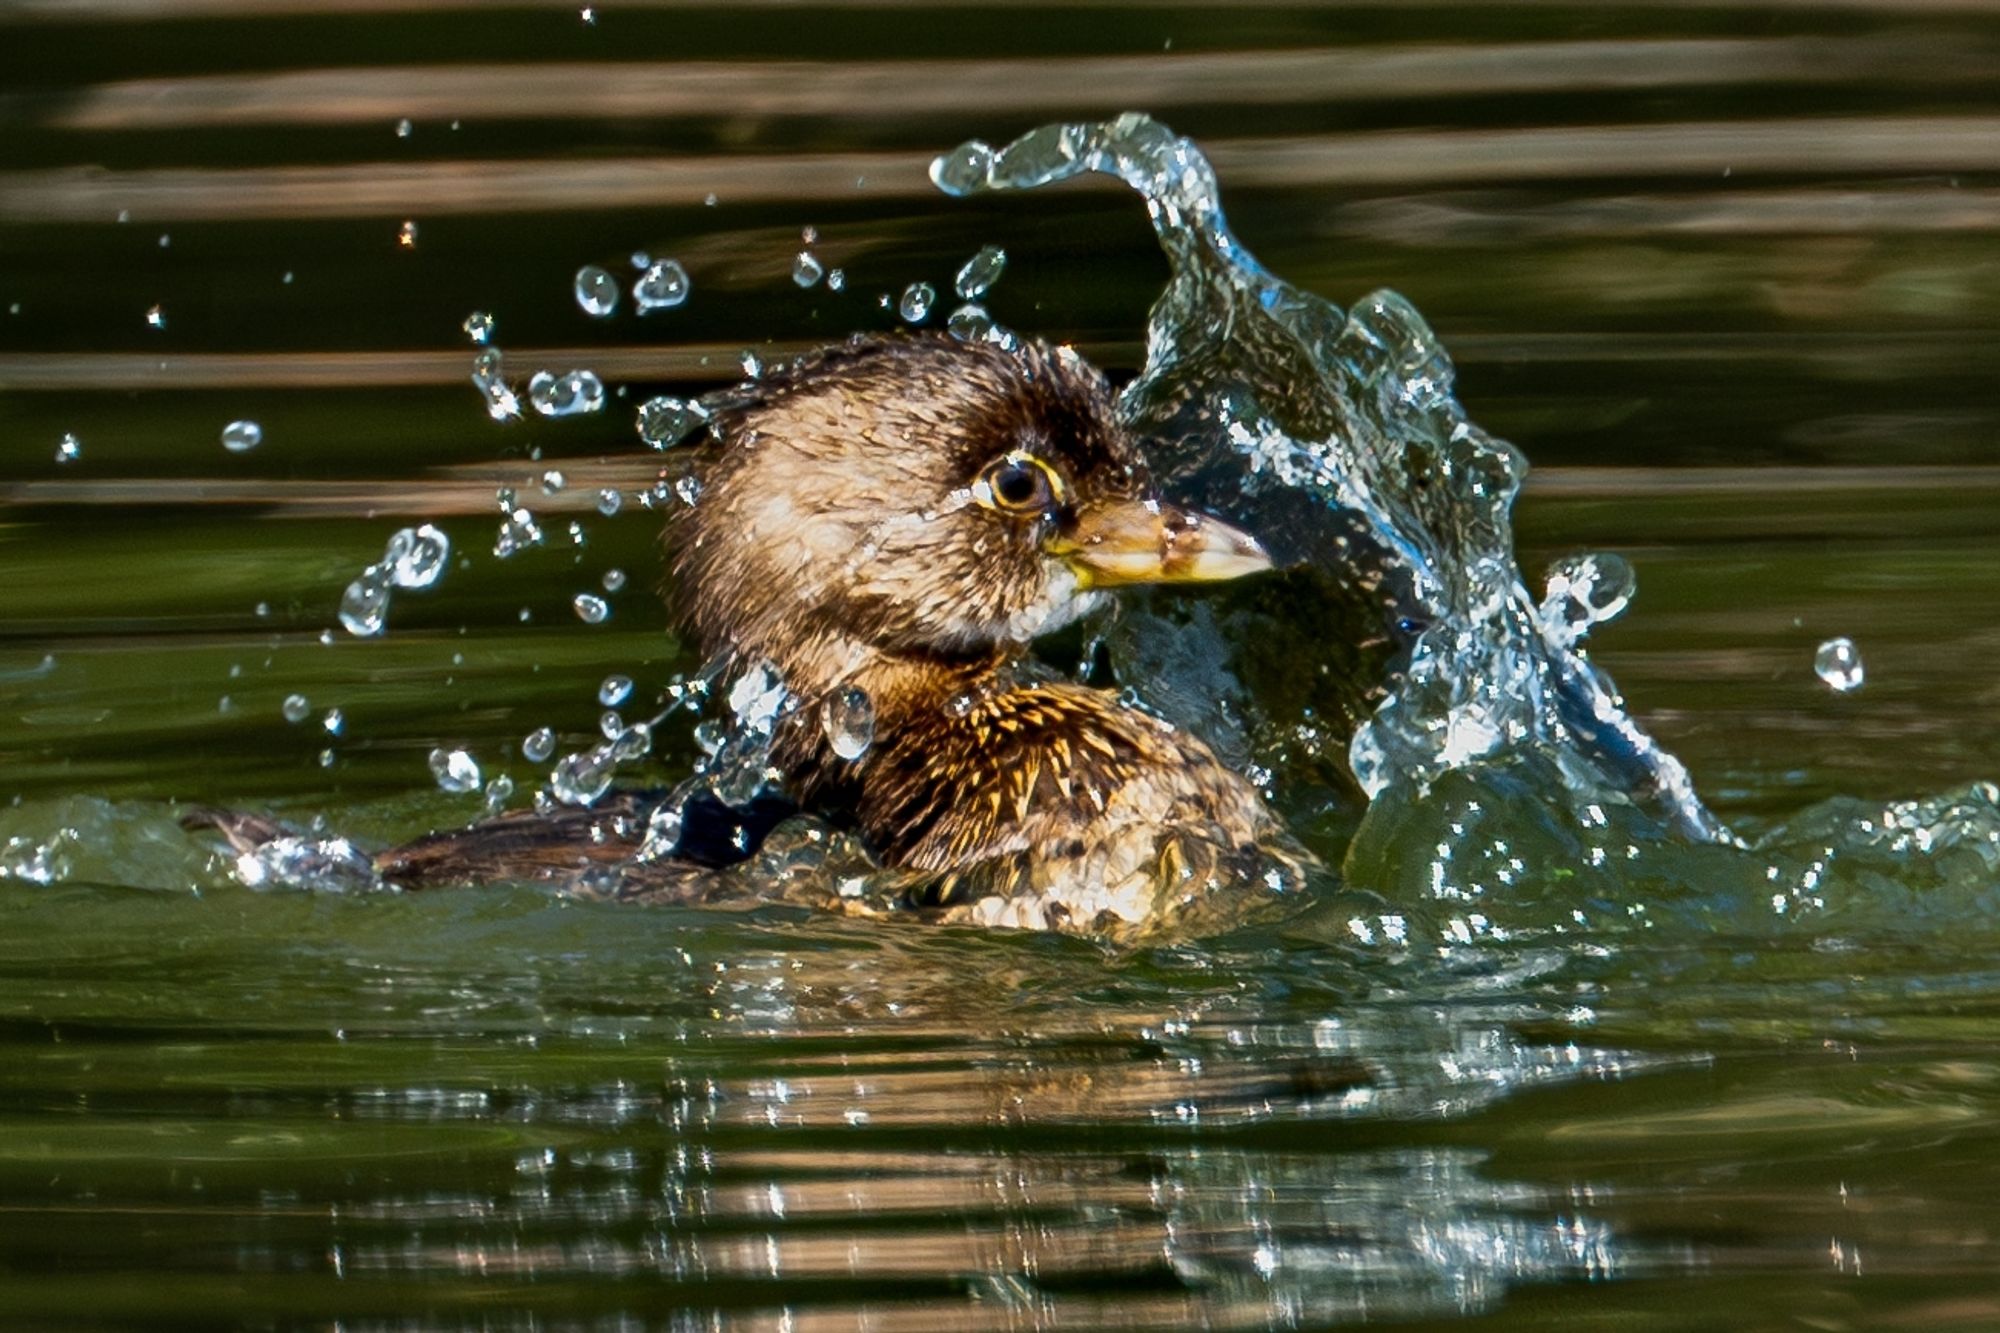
(921, 496)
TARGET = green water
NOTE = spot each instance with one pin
(1726, 274)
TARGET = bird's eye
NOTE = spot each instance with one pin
(1018, 484)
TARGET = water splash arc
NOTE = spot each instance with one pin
(1336, 437)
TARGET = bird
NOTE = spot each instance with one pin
(889, 524)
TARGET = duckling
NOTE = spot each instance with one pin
(903, 516)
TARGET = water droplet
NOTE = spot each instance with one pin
(609, 502)
(335, 722)
(613, 580)
(68, 448)
(915, 306)
(661, 286)
(417, 557)
(240, 437)
(364, 607)
(665, 421)
(836, 280)
(538, 745)
(1584, 591)
(848, 718)
(490, 378)
(497, 793)
(980, 272)
(553, 481)
(610, 725)
(806, 269)
(589, 15)
(406, 236)
(517, 531)
(566, 395)
(752, 365)
(964, 169)
(581, 778)
(663, 831)
(156, 318)
(326, 758)
(1838, 663)
(969, 323)
(297, 708)
(632, 742)
(614, 690)
(590, 608)
(478, 326)
(596, 291)
(455, 770)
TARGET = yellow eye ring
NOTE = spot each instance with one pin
(1018, 483)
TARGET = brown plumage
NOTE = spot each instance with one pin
(903, 516)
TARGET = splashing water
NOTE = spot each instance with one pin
(1335, 436)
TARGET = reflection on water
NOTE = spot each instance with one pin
(1724, 274)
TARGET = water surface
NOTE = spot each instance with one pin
(1726, 276)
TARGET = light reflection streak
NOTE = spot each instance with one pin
(1903, 145)
(1043, 85)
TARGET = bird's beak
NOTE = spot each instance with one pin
(1145, 541)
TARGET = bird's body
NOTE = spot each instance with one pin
(889, 524)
